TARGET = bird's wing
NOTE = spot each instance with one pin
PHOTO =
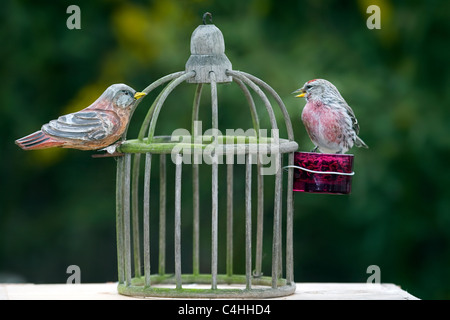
(350, 112)
(83, 125)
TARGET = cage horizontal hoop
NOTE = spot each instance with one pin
(229, 287)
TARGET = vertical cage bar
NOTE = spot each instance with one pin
(126, 210)
(196, 221)
(178, 221)
(195, 186)
(215, 186)
(146, 222)
(260, 220)
(162, 215)
(135, 214)
(119, 220)
(289, 223)
(214, 223)
(248, 221)
(230, 165)
(280, 215)
(276, 230)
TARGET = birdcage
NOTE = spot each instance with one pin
(142, 263)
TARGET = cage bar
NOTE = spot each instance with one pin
(146, 221)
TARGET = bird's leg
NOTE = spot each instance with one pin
(315, 149)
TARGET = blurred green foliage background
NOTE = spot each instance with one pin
(57, 207)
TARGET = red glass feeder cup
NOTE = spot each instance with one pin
(323, 172)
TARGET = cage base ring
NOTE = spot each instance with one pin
(261, 287)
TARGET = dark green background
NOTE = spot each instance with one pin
(58, 206)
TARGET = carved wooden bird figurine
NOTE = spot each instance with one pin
(95, 127)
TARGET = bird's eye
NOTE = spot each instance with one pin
(308, 87)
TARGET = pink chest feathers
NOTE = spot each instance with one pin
(323, 124)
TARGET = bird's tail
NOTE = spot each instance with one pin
(360, 143)
(38, 140)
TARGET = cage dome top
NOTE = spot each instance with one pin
(207, 40)
(208, 54)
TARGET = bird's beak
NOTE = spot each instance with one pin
(301, 91)
(139, 95)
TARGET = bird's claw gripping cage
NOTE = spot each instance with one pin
(207, 65)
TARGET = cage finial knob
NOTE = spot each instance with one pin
(208, 54)
(205, 15)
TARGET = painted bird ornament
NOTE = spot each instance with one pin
(95, 127)
(330, 122)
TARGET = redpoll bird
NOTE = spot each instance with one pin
(95, 127)
(328, 119)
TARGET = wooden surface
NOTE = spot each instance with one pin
(108, 291)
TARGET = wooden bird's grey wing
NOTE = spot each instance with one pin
(83, 125)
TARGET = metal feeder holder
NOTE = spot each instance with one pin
(207, 64)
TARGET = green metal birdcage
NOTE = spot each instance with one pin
(207, 66)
